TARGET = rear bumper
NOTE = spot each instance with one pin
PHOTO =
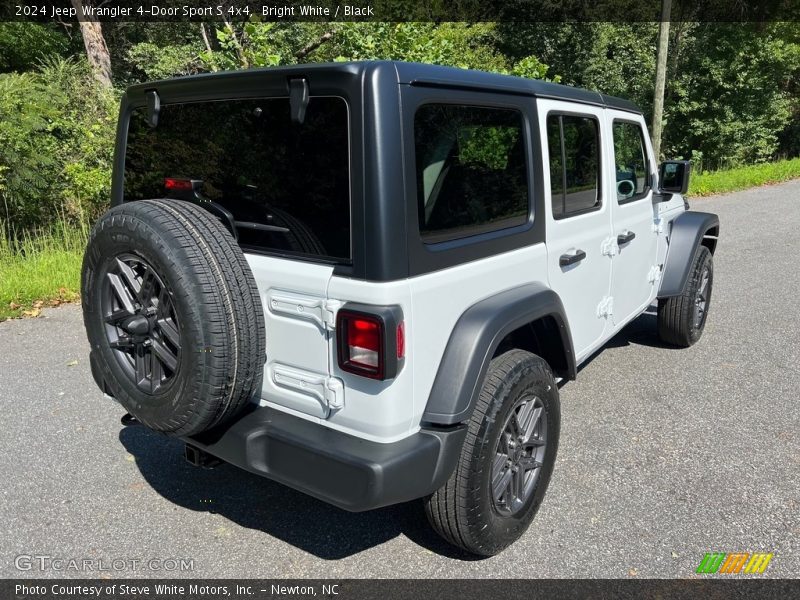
(346, 471)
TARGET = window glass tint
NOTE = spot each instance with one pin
(630, 158)
(580, 164)
(286, 184)
(471, 172)
(556, 164)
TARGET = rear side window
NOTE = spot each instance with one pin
(471, 170)
(286, 184)
(574, 147)
(630, 158)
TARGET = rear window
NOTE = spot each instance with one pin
(286, 184)
(471, 170)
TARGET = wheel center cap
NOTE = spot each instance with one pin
(136, 325)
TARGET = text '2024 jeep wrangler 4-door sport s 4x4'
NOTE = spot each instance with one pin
(364, 280)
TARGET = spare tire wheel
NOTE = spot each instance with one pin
(173, 316)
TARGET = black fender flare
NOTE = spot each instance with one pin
(686, 234)
(474, 339)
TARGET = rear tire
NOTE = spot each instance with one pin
(486, 505)
(681, 319)
(173, 316)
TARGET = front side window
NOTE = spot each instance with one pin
(471, 170)
(630, 158)
(286, 184)
(574, 146)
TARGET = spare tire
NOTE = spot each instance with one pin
(173, 316)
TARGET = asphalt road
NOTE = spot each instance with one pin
(665, 454)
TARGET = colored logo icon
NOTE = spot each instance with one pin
(734, 562)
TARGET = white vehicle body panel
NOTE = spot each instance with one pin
(631, 266)
(300, 299)
(376, 410)
(584, 285)
(389, 410)
(297, 343)
(440, 298)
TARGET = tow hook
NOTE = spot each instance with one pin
(200, 458)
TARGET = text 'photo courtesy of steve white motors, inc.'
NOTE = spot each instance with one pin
(178, 590)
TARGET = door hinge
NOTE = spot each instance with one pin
(606, 307)
(658, 225)
(329, 310)
(654, 274)
(329, 391)
(609, 246)
(334, 393)
(320, 310)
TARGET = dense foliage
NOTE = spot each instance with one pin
(732, 89)
(56, 140)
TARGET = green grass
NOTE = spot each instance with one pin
(741, 178)
(40, 270)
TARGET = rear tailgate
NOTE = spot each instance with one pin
(299, 320)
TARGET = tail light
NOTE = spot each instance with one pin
(173, 184)
(183, 188)
(371, 342)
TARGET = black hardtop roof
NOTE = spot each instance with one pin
(420, 74)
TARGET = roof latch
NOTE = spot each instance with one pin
(153, 107)
(298, 99)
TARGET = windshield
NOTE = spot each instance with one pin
(285, 184)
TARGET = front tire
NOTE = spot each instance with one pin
(681, 319)
(507, 458)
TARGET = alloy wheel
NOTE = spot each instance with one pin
(519, 456)
(141, 324)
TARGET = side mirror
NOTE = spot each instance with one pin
(674, 176)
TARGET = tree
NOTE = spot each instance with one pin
(23, 45)
(95, 43)
(661, 76)
(732, 94)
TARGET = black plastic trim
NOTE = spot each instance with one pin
(566, 260)
(153, 108)
(447, 77)
(686, 233)
(347, 471)
(476, 336)
(687, 173)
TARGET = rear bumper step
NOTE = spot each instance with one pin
(344, 470)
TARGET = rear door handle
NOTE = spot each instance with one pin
(570, 259)
(624, 238)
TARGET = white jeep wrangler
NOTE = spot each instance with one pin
(365, 280)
